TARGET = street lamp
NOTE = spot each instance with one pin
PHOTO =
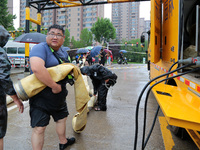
(107, 44)
(102, 40)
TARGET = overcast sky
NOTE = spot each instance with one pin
(144, 11)
(16, 12)
(145, 8)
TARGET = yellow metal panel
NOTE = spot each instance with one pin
(181, 109)
(195, 136)
(39, 18)
(154, 47)
(166, 134)
(27, 13)
(34, 21)
(170, 30)
(26, 49)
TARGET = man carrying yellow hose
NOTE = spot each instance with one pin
(52, 100)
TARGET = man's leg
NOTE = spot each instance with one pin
(1, 144)
(102, 96)
(37, 138)
(61, 130)
(3, 119)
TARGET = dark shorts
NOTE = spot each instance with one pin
(46, 104)
(3, 116)
(41, 117)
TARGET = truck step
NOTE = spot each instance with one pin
(180, 106)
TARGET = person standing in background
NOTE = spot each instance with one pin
(96, 59)
(6, 86)
(109, 58)
(89, 58)
(103, 57)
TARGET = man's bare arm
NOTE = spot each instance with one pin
(40, 71)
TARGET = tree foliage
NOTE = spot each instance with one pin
(19, 33)
(73, 41)
(67, 38)
(43, 31)
(6, 19)
(135, 54)
(86, 38)
(103, 28)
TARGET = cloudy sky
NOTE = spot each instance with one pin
(144, 11)
(16, 12)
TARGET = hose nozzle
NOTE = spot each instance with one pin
(195, 60)
(185, 61)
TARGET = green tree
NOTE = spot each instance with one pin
(6, 19)
(44, 31)
(19, 33)
(67, 38)
(103, 28)
(73, 41)
(86, 37)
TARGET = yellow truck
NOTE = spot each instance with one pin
(174, 45)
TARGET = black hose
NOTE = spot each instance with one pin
(156, 114)
(154, 121)
(139, 99)
(145, 108)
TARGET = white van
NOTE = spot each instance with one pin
(16, 52)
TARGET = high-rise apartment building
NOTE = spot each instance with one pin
(144, 27)
(10, 7)
(73, 18)
(22, 16)
(125, 19)
(147, 28)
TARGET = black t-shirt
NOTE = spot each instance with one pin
(103, 55)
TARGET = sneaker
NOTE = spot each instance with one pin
(70, 141)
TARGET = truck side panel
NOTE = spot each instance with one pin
(170, 31)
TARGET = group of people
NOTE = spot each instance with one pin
(50, 102)
(85, 58)
(98, 59)
(103, 57)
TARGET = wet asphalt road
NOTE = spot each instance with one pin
(110, 130)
